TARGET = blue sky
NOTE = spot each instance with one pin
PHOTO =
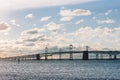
(27, 24)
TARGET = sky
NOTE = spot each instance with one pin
(27, 27)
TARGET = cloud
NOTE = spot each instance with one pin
(33, 35)
(13, 22)
(45, 18)
(33, 31)
(7, 48)
(40, 37)
(29, 44)
(4, 27)
(11, 48)
(53, 26)
(68, 15)
(80, 21)
(108, 12)
(29, 16)
(30, 32)
(76, 12)
(34, 24)
(107, 21)
(96, 38)
(7, 5)
(33, 42)
(66, 18)
(6, 33)
(105, 37)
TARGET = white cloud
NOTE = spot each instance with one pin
(6, 33)
(33, 40)
(97, 38)
(45, 18)
(105, 37)
(94, 18)
(13, 22)
(34, 24)
(66, 18)
(40, 37)
(80, 21)
(8, 5)
(29, 16)
(108, 21)
(34, 34)
(30, 31)
(4, 27)
(33, 31)
(68, 15)
(53, 26)
(108, 12)
(62, 7)
(77, 12)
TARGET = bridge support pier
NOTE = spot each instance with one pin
(110, 56)
(85, 55)
(37, 56)
(46, 57)
(115, 56)
(60, 55)
(46, 52)
(101, 56)
(71, 56)
(51, 56)
(97, 55)
(71, 52)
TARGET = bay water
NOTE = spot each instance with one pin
(60, 70)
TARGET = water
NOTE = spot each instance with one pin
(60, 70)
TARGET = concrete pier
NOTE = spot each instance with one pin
(46, 52)
(60, 55)
(110, 56)
(46, 57)
(97, 56)
(71, 52)
(101, 56)
(115, 56)
(85, 55)
(37, 56)
(71, 55)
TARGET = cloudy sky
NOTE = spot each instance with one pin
(26, 27)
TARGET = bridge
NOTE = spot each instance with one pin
(84, 53)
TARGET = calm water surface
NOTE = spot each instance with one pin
(60, 70)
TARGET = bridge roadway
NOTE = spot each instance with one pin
(85, 54)
(95, 52)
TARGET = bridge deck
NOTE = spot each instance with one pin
(65, 52)
(95, 52)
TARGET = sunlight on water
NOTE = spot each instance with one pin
(60, 70)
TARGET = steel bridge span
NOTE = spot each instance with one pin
(85, 55)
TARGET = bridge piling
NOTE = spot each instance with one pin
(71, 56)
(46, 52)
(46, 57)
(51, 56)
(85, 55)
(97, 56)
(115, 56)
(101, 56)
(37, 56)
(110, 56)
(60, 55)
(71, 52)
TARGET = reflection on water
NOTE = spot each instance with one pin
(60, 70)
